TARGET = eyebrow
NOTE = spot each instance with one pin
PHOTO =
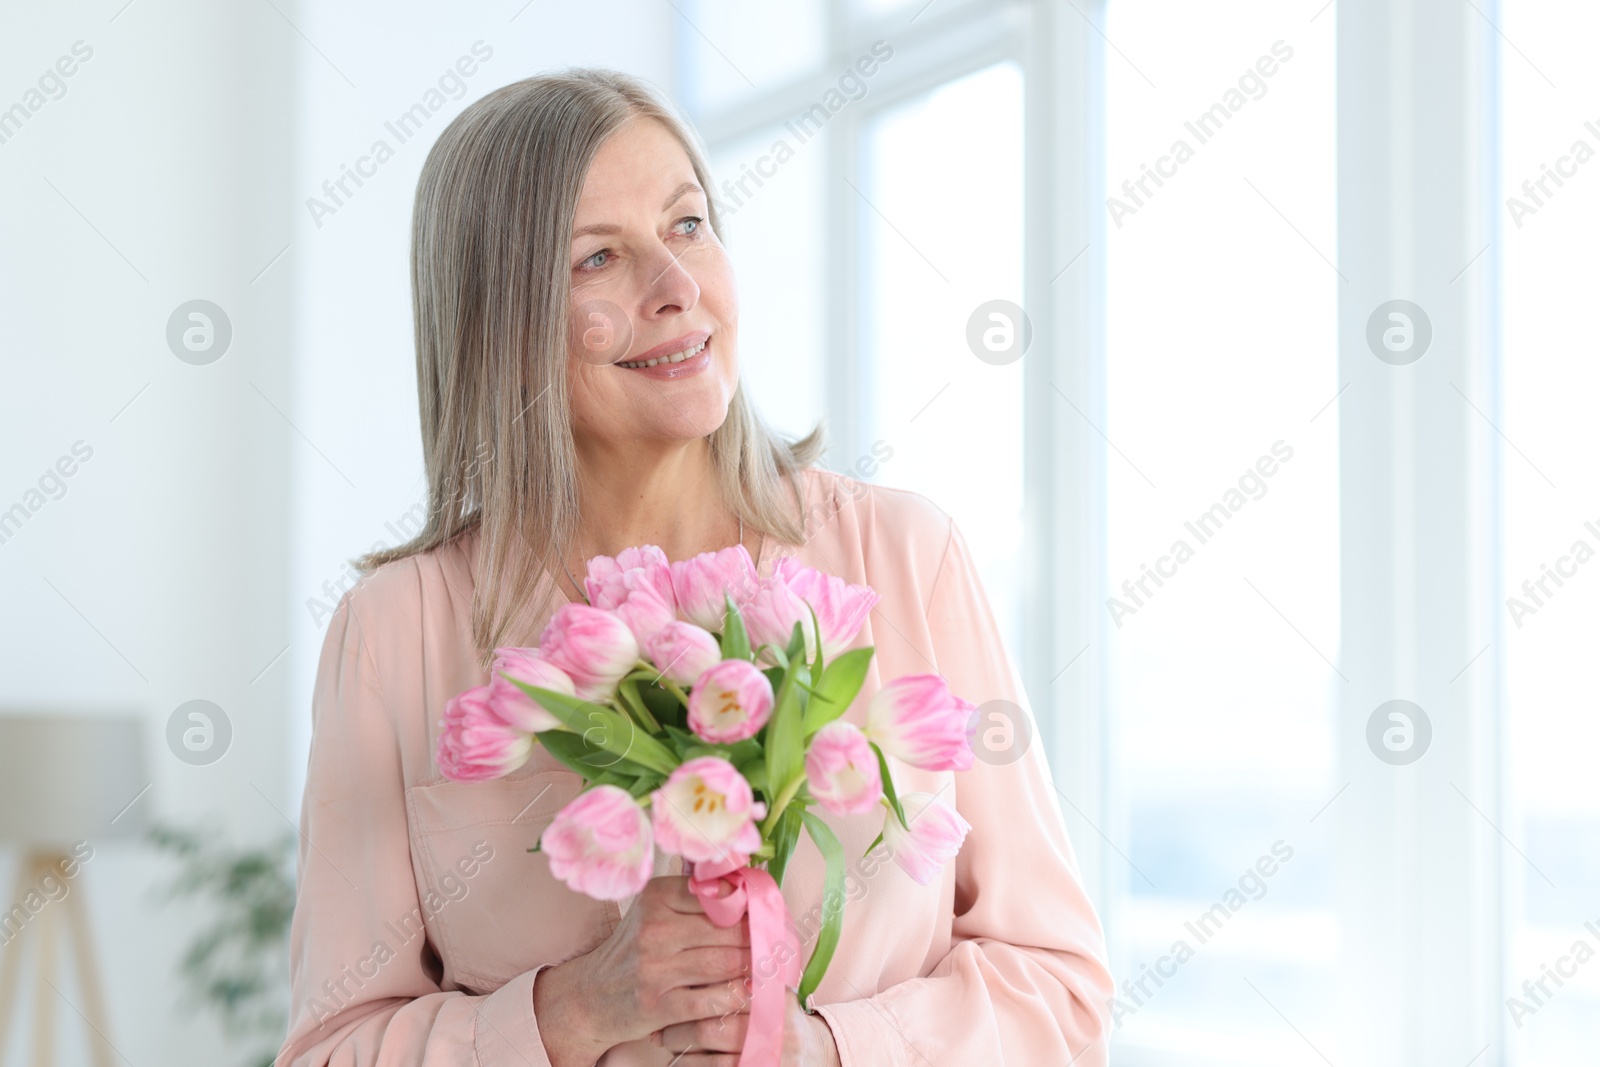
(607, 227)
(677, 194)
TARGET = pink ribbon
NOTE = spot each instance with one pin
(774, 949)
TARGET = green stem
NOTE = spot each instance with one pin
(664, 682)
(672, 687)
(786, 795)
(649, 719)
(636, 707)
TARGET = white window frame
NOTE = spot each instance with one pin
(1423, 912)
(1059, 53)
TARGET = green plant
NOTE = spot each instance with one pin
(238, 960)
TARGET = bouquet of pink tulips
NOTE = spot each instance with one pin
(701, 704)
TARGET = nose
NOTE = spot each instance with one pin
(671, 287)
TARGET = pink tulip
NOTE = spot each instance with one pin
(641, 607)
(771, 612)
(592, 646)
(512, 704)
(935, 835)
(917, 719)
(683, 651)
(601, 844)
(699, 585)
(604, 583)
(730, 702)
(841, 607)
(842, 770)
(475, 743)
(706, 811)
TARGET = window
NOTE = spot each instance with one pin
(867, 318)
(932, 252)
(1222, 513)
(1244, 189)
(1552, 504)
(770, 187)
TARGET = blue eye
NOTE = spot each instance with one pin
(697, 220)
(585, 264)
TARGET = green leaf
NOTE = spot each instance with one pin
(785, 835)
(591, 762)
(681, 740)
(797, 642)
(569, 749)
(785, 739)
(840, 683)
(735, 641)
(645, 783)
(832, 904)
(663, 706)
(888, 785)
(601, 727)
(816, 628)
(741, 751)
(628, 693)
(620, 779)
(874, 844)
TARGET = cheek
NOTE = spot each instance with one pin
(599, 331)
(593, 393)
(720, 288)
(719, 294)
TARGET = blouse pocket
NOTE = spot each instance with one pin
(493, 907)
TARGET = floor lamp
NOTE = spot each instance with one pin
(66, 787)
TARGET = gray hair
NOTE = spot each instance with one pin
(491, 234)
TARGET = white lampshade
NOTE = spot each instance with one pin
(64, 778)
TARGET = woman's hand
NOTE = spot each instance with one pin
(666, 963)
(716, 1041)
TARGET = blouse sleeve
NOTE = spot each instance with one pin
(361, 995)
(1025, 981)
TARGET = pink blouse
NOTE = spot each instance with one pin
(421, 921)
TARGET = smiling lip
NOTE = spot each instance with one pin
(667, 348)
(672, 371)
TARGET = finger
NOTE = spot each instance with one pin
(722, 1034)
(672, 932)
(708, 964)
(672, 891)
(688, 1003)
(668, 937)
(696, 930)
(684, 899)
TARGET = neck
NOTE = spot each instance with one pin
(651, 494)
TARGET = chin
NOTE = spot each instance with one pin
(705, 414)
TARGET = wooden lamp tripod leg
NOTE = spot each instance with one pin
(73, 919)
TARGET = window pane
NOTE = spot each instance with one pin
(1552, 512)
(879, 8)
(1222, 525)
(735, 50)
(770, 197)
(939, 210)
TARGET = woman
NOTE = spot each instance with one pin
(577, 355)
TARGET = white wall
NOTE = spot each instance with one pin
(178, 560)
(355, 393)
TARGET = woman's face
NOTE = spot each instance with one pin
(649, 280)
